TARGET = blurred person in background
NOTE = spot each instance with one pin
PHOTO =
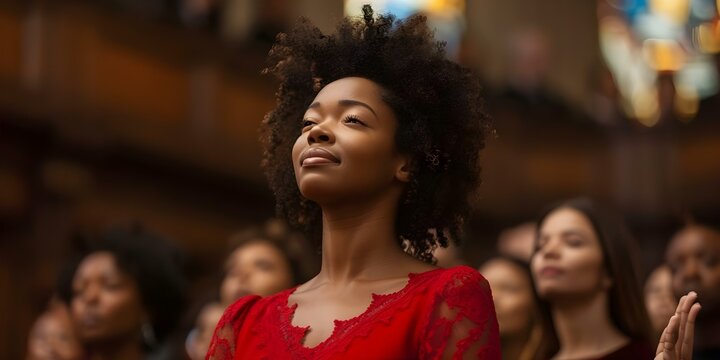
(127, 296)
(262, 262)
(528, 59)
(515, 305)
(199, 338)
(200, 13)
(584, 270)
(660, 300)
(694, 259)
(373, 148)
(518, 241)
(53, 335)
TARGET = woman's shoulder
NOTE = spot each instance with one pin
(462, 316)
(254, 303)
(459, 286)
(245, 309)
(456, 278)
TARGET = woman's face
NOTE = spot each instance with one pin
(568, 260)
(53, 337)
(513, 296)
(659, 299)
(694, 259)
(106, 302)
(258, 268)
(346, 149)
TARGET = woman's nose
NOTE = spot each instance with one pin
(550, 249)
(320, 133)
(90, 294)
(690, 270)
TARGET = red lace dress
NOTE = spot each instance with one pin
(439, 314)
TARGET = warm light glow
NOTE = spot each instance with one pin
(663, 54)
(446, 6)
(675, 10)
(403, 8)
(707, 37)
(446, 17)
(645, 107)
(654, 37)
(686, 103)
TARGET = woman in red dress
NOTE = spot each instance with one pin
(373, 148)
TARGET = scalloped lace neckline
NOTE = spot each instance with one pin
(377, 303)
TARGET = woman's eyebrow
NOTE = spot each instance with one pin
(346, 102)
(574, 232)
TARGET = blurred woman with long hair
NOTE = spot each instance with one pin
(585, 274)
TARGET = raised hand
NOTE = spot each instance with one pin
(676, 341)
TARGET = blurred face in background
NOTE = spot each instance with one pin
(518, 241)
(513, 296)
(106, 303)
(258, 268)
(694, 259)
(207, 320)
(568, 261)
(659, 299)
(53, 338)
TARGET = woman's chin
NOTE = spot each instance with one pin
(317, 192)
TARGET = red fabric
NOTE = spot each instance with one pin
(439, 314)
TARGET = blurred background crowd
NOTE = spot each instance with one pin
(129, 163)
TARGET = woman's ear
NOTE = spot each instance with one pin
(403, 170)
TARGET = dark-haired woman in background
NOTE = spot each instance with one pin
(516, 307)
(585, 273)
(373, 147)
(262, 261)
(127, 295)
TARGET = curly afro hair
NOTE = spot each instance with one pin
(438, 104)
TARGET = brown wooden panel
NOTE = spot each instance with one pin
(129, 82)
(559, 170)
(700, 158)
(10, 46)
(242, 109)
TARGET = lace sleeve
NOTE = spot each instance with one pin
(222, 345)
(463, 323)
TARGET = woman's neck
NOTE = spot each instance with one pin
(522, 346)
(513, 346)
(584, 328)
(359, 241)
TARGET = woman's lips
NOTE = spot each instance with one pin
(90, 320)
(317, 156)
(551, 271)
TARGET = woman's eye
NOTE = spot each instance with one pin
(307, 123)
(113, 285)
(574, 242)
(352, 119)
(265, 265)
